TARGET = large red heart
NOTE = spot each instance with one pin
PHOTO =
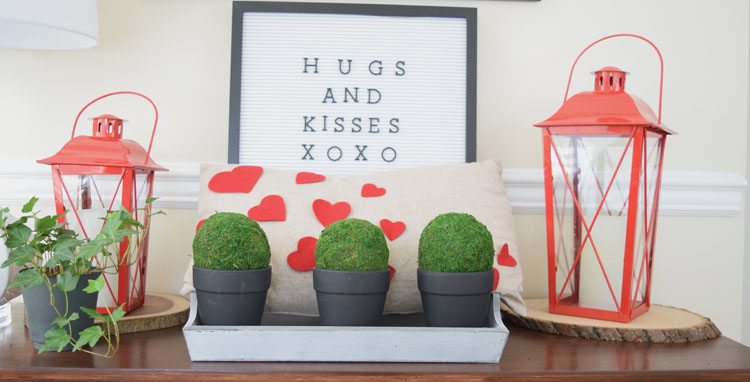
(200, 223)
(370, 190)
(303, 259)
(270, 208)
(504, 257)
(496, 278)
(309, 177)
(328, 213)
(392, 230)
(393, 271)
(240, 179)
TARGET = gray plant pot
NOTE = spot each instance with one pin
(351, 298)
(460, 299)
(231, 297)
(40, 314)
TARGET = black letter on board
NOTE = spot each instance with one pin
(361, 152)
(315, 65)
(329, 153)
(347, 70)
(307, 152)
(307, 124)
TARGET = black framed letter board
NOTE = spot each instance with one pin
(352, 88)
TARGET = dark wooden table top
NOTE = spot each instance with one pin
(162, 355)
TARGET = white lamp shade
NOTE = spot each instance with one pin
(48, 24)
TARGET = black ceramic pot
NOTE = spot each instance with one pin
(460, 299)
(40, 314)
(231, 297)
(351, 298)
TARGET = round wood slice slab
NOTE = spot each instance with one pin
(158, 312)
(661, 324)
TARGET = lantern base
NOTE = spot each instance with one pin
(661, 324)
(159, 311)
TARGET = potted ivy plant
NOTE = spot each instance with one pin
(351, 275)
(58, 280)
(231, 272)
(455, 271)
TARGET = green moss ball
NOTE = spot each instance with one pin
(456, 242)
(230, 241)
(352, 245)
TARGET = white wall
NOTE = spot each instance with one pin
(178, 52)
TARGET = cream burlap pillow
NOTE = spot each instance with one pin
(407, 199)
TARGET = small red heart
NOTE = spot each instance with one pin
(370, 190)
(393, 271)
(392, 230)
(240, 179)
(309, 177)
(303, 259)
(496, 278)
(200, 223)
(504, 257)
(270, 208)
(328, 213)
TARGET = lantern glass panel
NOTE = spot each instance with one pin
(91, 197)
(647, 212)
(591, 175)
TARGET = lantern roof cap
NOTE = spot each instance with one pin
(86, 150)
(604, 109)
(611, 69)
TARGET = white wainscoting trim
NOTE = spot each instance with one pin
(683, 193)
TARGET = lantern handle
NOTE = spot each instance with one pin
(156, 116)
(661, 62)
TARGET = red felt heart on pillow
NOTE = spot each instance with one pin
(504, 257)
(328, 213)
(393, 271)
(270, 208)
(303, 259)
(309, 177)
(200, 223)
(370, 190)
(240, 179)
(392, 230)
(496, 278)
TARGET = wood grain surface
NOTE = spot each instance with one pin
(661, 324)
(159, 311)
(161, 355)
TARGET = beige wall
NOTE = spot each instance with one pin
(178, 51)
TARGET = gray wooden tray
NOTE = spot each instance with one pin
(400, 338)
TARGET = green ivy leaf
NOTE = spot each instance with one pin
(27, 279)
(114, 222)
(20, 256)
(117, 314)
(29, 205)
(64, 321)
(18, 235)
(160, 212)
(57, 338)
(67, 281)
(90, 336)
(92, 248)
(121, 234)
(151, 200)
(95, 285)
(94, 314)
(45, 223)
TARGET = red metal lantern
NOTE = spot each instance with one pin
(94, 174)
(603, 153)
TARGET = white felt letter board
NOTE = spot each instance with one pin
(351, 88)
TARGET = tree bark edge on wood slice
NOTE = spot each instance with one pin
(703, 329)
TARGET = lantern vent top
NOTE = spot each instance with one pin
(609, 79)
(107, 126)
